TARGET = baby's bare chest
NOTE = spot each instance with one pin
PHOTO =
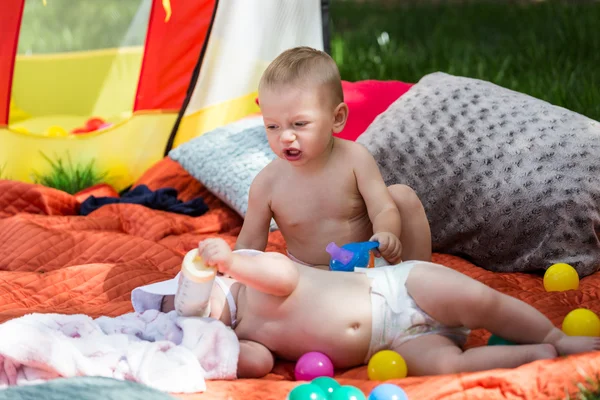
(296, 202)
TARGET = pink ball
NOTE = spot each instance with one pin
(312, 365)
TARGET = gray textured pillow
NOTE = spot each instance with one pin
(507, 180)
(227, 159)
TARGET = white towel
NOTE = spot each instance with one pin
(167, 352)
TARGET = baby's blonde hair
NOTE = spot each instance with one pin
(301, 65)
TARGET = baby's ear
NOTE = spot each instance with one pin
(340, 117)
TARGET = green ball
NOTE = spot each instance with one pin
(307, 391)
(347, 392)
(498, 341)
(327, 384)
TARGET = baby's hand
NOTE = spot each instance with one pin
(390, 247)
(216, 253)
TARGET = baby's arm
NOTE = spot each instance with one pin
(255, 360)
(382, 210)
(255, 230)
(270, 273)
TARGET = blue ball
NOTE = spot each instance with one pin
(388, 391)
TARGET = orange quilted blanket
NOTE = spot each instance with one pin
(52, 260)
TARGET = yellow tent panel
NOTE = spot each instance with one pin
(125, 150)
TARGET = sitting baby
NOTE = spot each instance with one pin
(323, 189)
(424, 311)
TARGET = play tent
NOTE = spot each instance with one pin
(120, 82)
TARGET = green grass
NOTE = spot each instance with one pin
(590, 390)
(69, 178)
(73, 25)
(549, 50)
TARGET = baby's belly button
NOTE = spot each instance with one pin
(354, 329)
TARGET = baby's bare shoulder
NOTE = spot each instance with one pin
(352, 153)
(267, 175)
(263, 182)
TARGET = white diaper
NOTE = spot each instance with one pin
(396, 316)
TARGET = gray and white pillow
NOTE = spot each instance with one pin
(508, 181)
(227, 159)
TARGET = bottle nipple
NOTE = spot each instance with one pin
(195, 269)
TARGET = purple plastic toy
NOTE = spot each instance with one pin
(313, 365)
(351, 255)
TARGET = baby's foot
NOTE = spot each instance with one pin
(577, 344)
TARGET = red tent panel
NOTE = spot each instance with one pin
(172, 50)
(10, 21)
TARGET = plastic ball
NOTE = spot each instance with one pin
(498, 341)
(386, 364)
(347, 392)
(327, 384)
(56, 131)
(387, 391)
(313, 365)
(581, 322)
(560, 277)
(94, 123)
(307, 391)
(77, 131)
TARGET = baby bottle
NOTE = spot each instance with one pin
(351, 255)
(192, 298)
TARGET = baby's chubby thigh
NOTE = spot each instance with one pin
(446, 295)
(422, 269)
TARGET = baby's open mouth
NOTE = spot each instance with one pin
(292, 154)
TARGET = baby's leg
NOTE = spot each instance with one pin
(455, 299)
(415, 234)
(435, 354)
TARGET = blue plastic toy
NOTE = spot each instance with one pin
(387, 391)
(351, 255)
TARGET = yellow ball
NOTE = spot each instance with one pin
(386, 364)
(56, 131)
(581, 322)
(560, 277)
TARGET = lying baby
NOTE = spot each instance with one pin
(421, 310)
